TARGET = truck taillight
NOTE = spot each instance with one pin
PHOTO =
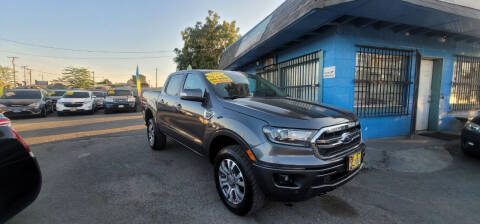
(24, 144)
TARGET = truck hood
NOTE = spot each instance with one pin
(18, 102)
(290, 113)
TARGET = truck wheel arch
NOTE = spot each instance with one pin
(221, 139)
(148, 115)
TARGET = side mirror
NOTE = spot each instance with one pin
(192, 95)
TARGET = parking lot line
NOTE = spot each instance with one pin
(61, 137)
(58, 124)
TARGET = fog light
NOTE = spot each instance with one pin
(283, 179)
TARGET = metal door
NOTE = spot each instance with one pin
(424, 94)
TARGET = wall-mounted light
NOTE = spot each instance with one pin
(443, 39)
(258, 63)
(407, 33)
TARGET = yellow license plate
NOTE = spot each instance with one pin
(74, 109)
(354, 161)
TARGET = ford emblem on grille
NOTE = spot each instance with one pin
(346, 138)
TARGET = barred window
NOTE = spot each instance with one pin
(465, 93)
(298, 77)
(382, 81)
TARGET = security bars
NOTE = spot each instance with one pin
(382, 81)
(298, 77)
(465, 92)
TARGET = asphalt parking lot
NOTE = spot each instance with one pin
(99, 169)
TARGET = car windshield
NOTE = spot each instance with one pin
(99, 94)
(119, 93)
(76, 95)
(56, 93)
(20, 94)
(231, 85)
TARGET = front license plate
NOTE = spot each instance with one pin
(354, 161)
(74, 109)
(120, 106)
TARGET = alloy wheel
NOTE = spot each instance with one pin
(231, 181)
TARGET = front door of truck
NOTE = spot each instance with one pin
(192, 120)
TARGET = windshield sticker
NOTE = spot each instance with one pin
(51, 93)
(10, 94)
(111, 92)
(68, 93)
(217, 77)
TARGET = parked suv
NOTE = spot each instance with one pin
(25, 102)
(76, 101)
(120, 100)
(55, 95)
(262, 143)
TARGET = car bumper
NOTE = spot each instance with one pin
(307, 182)
(84, 108)
(21, 111)
(471, 141)
(119, 106)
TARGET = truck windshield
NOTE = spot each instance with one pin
(76, 95)
(19, 94)
(233, 85)
(119, 93)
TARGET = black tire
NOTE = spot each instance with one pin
(60, 114)
(106, 111)
(254, 198)
(44, 112)
(156, 140)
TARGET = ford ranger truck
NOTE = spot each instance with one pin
(262, 143)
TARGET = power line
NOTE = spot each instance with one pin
(84, 50)
(91, 58)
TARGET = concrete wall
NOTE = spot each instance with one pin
(339, 49)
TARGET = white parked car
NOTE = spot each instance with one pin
(76, 101)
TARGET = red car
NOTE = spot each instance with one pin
(20, 175)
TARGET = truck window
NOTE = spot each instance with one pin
(174, 85)
(194, 81)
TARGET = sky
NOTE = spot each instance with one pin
(94, 32)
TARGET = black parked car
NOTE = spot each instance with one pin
(471, 136)
(262, 142)
(25, 102)
(120, 100)
(20, 177)
(55, 95)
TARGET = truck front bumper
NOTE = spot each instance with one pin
(305, 182)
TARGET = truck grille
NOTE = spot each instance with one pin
(337, 140)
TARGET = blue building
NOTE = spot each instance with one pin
(402, 66)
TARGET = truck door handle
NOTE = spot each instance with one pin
(179, 107)
(161, 101)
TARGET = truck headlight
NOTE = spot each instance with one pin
(286, 136)
(34, 105)
(131, 99)
(472, 127)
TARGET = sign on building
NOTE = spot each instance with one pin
(329, 72)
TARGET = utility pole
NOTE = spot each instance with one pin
(25, 75)
(13, 66)
(156, 77)
(30, 77)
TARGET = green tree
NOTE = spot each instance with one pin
(105, 82)
(77, 77)
(4, 74)
(204, 43)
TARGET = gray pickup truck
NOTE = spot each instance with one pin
(262, 143)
